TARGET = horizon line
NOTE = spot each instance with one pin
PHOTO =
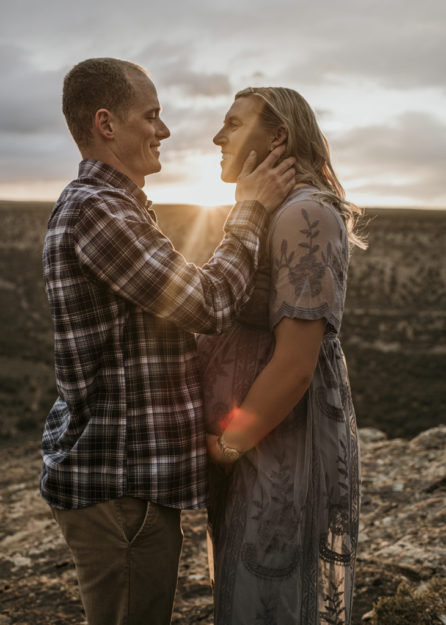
(212, 206)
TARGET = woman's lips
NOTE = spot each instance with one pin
(225, 156)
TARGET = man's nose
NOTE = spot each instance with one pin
(163, 131)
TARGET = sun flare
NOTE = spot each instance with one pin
(200, 184)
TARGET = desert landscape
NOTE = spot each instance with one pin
(394, 337)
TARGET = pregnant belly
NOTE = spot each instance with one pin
(229, 364)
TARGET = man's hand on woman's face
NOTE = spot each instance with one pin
(266, 183)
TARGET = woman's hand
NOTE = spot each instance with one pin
(214, 451)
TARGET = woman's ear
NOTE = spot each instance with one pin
(280, 136)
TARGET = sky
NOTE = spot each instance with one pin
(374, 71)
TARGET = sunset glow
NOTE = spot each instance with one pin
(203, 188)
(377, 90)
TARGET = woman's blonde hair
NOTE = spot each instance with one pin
(286, 107)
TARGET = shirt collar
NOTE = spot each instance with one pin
(99, 171)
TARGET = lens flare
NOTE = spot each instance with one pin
(239, 420)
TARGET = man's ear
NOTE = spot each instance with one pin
(280, 136)
(104, 123)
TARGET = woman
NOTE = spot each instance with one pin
(282, 434)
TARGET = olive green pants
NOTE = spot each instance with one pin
(126, 553)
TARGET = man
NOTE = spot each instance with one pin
(124, 446)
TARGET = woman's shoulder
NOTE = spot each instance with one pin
(304, 208)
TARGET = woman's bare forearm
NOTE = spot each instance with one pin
(275, 392)
(280, 386)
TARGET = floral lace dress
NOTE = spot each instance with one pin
(284, 522)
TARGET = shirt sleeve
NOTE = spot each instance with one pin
(309, 258)
(128, 253)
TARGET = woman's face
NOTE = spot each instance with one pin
(242, 132)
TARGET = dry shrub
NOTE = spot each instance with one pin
(426, 606)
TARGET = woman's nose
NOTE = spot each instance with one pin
(219, 138)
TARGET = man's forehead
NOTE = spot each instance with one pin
(145, 91)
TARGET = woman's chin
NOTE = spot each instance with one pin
(229, 175)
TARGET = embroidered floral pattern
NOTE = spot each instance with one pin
(275, 553)
(334, 613)
(266, 614)
(307, 273)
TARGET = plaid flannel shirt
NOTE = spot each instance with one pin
(125, 305)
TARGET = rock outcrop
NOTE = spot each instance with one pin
(402, 535)
(403, 514)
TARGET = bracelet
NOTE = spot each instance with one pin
(230, 454)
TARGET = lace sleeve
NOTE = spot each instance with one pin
(309, 259)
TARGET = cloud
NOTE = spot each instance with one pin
(172, 66)
(30, 99)
(199, 54)
(401, 59)
(407, 157)
(398, 44)
(197, 83)
(193, 128)
(34, 140)
(37, 157)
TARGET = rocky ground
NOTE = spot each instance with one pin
(402, 537)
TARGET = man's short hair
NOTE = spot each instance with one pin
(94, 84)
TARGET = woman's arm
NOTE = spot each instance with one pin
(277, 389)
